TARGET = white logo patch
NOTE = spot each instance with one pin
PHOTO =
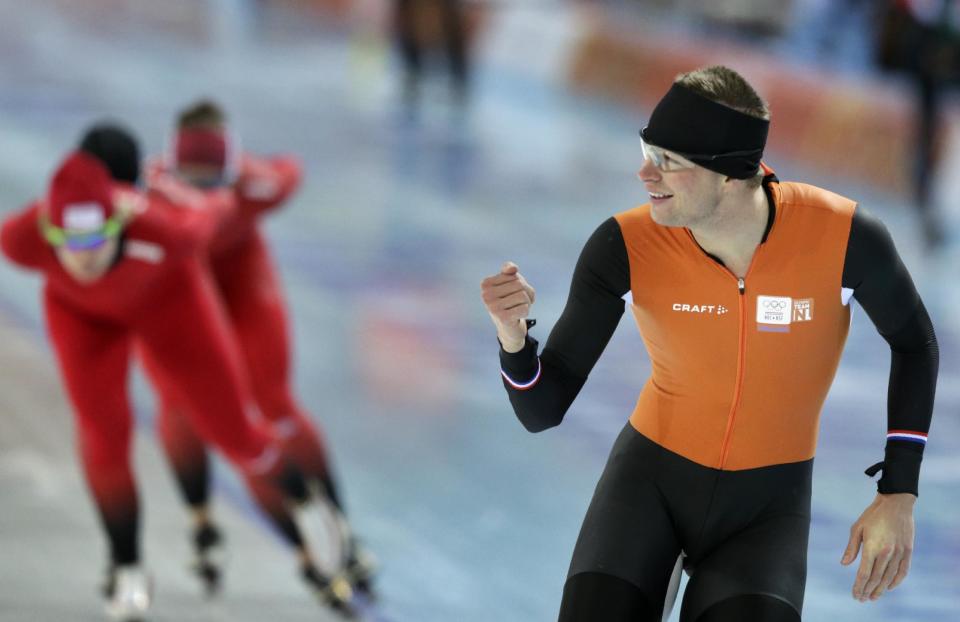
(144, 251)
(776, 313)
(803, 310)
(83, 216)
(774, 310)
(261, 188)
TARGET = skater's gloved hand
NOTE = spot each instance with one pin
(508, 297)
(885, 530)
(258, 181)
(129, 204)
(263, 184)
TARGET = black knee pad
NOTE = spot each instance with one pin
(753, 607)
(593, 596)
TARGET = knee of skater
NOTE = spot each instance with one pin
(591, 596)
(754, 607)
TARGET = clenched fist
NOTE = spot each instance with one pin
(508, 297)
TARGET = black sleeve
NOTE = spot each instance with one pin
(542, 388)
(883, 287)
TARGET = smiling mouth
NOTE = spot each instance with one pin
(659, 195)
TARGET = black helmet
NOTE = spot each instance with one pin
(116, 147)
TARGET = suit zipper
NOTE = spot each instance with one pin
(738, 386)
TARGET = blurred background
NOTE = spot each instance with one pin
(439, 139)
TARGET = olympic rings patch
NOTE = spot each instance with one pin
(776, 313)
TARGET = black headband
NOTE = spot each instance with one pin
(707, 133)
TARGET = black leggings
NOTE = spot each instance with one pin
(744, 534)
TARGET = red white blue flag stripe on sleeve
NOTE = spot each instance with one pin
(907, 435)
(522, 386)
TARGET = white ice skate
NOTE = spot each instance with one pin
(130, 596)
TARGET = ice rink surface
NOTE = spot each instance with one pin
(401, 214)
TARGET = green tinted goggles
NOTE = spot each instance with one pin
(79, 240)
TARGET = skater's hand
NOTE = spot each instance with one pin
(128, 204)
(508, 297)
(885, 529)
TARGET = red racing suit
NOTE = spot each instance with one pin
(159, 294)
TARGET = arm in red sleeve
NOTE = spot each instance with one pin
(21, 241)
(266, 183)
(191, 227)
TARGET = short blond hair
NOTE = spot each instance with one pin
(204, 113)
